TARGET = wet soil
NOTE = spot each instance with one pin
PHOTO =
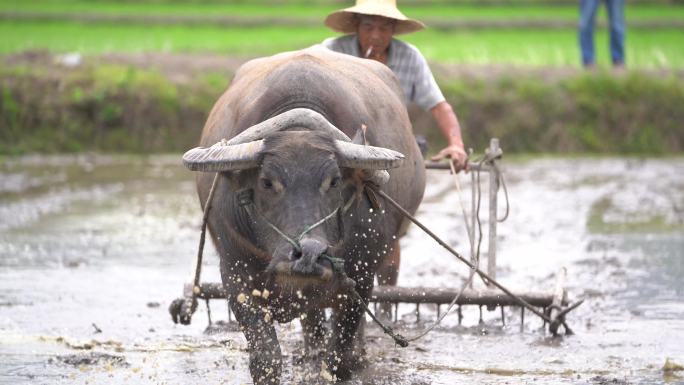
(93, 249)
(90, 359)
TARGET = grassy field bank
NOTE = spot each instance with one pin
(595, 113)
(129, 109)
(568, 11)
(645, 48)
(540, 33)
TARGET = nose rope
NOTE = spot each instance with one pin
(306, 230)
(295, 242)
(245, 199)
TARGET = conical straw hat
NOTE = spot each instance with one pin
(343, 20)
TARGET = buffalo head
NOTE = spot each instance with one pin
(299, 172)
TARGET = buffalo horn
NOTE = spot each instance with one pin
(222, 157)
(367, 157)
(296, 117)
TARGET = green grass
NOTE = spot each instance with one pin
(143, 8)
(645, 49)
(99, 38)
(563, 12)
(660, 48)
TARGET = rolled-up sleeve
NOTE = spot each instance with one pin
(426, 93)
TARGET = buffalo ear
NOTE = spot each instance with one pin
(360, 136)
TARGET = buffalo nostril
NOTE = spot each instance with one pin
(295, 255)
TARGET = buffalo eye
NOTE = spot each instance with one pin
(334, 182)
(266, 184)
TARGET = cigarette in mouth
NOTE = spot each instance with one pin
(369, 51)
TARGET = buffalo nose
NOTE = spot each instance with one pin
(312, 247)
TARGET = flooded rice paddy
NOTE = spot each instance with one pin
(93, 249)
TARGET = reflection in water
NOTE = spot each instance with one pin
(92, 249)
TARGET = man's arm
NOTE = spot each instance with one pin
(448, 124)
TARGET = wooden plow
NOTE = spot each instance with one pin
(551, 306)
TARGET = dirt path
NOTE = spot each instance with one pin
(182, 68)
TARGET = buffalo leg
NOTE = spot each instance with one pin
(265, 361)
(314, 329)
(345, 322)
(314, 336)
(388, 271)
(388, 274)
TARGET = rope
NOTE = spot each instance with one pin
(477, 215)
(486, 158)
(469, 231)
(451, 306)
(294, 243)
(247, 201)
(191, 301)
(502, 181)
(205, 217)
(402, 341)
(457, 255)
(306, 230)
(338, 268)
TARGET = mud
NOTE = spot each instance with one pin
(93, 358)
(104, 243)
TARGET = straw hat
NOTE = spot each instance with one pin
(343, 20)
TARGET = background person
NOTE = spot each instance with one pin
(616, 21)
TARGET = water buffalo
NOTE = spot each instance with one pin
(295, 138)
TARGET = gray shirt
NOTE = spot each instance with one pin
(407, 63)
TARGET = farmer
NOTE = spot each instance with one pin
(371, 25)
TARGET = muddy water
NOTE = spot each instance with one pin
(93, 248)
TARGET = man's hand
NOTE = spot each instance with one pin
(457, 154)
(448, 124)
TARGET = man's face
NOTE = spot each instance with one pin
(375, 35)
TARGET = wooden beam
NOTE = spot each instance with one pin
(487, 297)
(439, 296)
